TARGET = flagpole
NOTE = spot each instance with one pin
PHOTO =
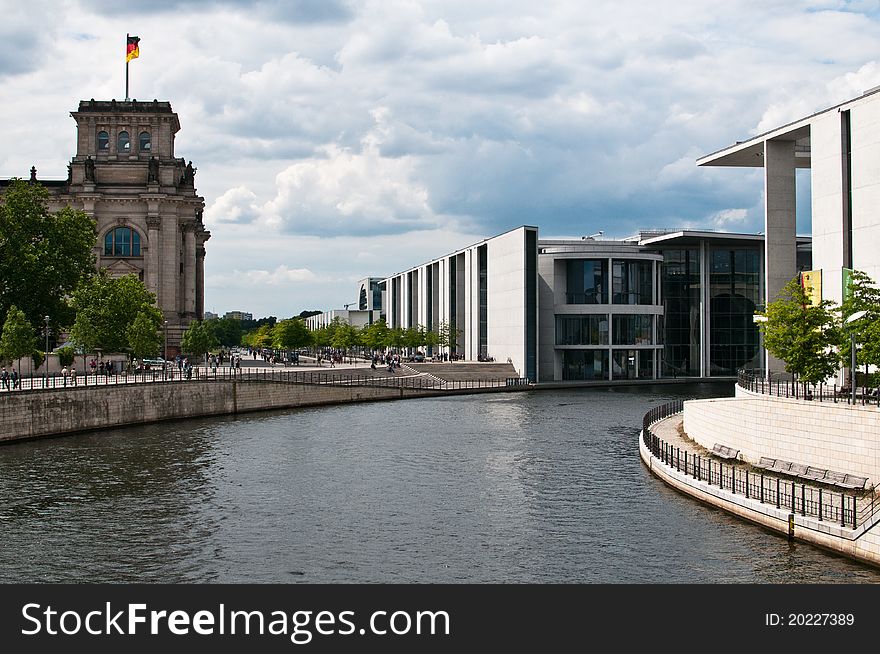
(126, 66)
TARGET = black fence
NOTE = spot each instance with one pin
(785, 387)
(281, 376)
(847, 510)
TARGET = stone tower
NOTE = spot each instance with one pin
(126, 176)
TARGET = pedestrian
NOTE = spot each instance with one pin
(101, 368)
(16, 379)
(64, 376)
(72, 373)
(4, 376)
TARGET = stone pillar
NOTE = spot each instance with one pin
(189, 270)
(152, 277)
(200, 281)
(780, 251)
(169, 276)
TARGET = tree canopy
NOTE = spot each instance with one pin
(198, 339)
(18, 339)
(802, 335)
(105, 309)
(43, 256)
(291, 334)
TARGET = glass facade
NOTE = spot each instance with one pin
(632, 282)
(734, 288)
(681, 313)
(587, 281)
(584, 364)
(591, 329)
(633, 364)
(482, 265)
(633, 329)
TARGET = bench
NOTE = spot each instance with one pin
(765, 463)
(781, 466)
(724, 452)
(798, 469)
(816, 474)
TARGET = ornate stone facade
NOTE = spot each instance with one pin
(125, 175)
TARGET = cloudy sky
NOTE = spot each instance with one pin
(336, 139)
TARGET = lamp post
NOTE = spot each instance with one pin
(758, 319)
(46, 362)
(854, 317)
(165, 351)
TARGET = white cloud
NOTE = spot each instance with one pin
(729, 219)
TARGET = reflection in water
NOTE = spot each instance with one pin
(526, 487)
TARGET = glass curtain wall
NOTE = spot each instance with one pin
(734, 279)
(681, 315)
(632, 282)
(587, 281)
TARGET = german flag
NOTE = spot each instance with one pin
(131, 48)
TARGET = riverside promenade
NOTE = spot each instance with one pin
(845, 520)
(55, 406)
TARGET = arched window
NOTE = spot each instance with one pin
(103, 141)
(144, 141)
(122, 242)
(123, 142)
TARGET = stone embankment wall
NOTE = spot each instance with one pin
(42, 413)
(820, 434)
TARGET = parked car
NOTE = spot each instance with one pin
(152, 364)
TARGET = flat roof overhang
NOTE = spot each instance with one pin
(750, 154)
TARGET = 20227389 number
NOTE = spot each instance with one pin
(809, 620)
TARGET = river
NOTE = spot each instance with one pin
(536, 487)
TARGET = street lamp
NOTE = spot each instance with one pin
(165, 351)
(757, 319)
(854, 317)
(46, 362)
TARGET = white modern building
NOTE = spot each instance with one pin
(353, 317)
(841, 147)
(486, 293)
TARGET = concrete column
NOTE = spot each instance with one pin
(780, 251)
(189, 270)
(779, 221)
(152, 276)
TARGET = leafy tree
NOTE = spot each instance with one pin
(397, 338)
(38, 357)
(260, 337)
(802, 335)
(65, 355)
(290, 334)
(106, 307)
(227, 331)
(447, 335)
(144, 338)
(344, 335)
(375, 336)
(18, 339)
(863, 296)
(43, 256)
(198, 339)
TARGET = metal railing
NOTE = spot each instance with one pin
(226, 374)
(847, 510)
(792, 388)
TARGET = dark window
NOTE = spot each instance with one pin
(123, 142)
(586, 281)
(483, 267)
(103, 141)
(144, 141)
(631, 282)
(584, 364)
(122, 242)
(632, 329)
(680, 330)
(733, 288)
(362, 299)
(632, 364)
(590, 329)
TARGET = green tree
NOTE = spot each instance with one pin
(290, 334)
(106, 307)
(397, 338)
(18, 339)
(198, 339)
(65, 355)
(802, 335)
(344, 336)
(375, 336)
(227, 331)
(862, 295)
(43, 256)
(447, 335)
(144, 338)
